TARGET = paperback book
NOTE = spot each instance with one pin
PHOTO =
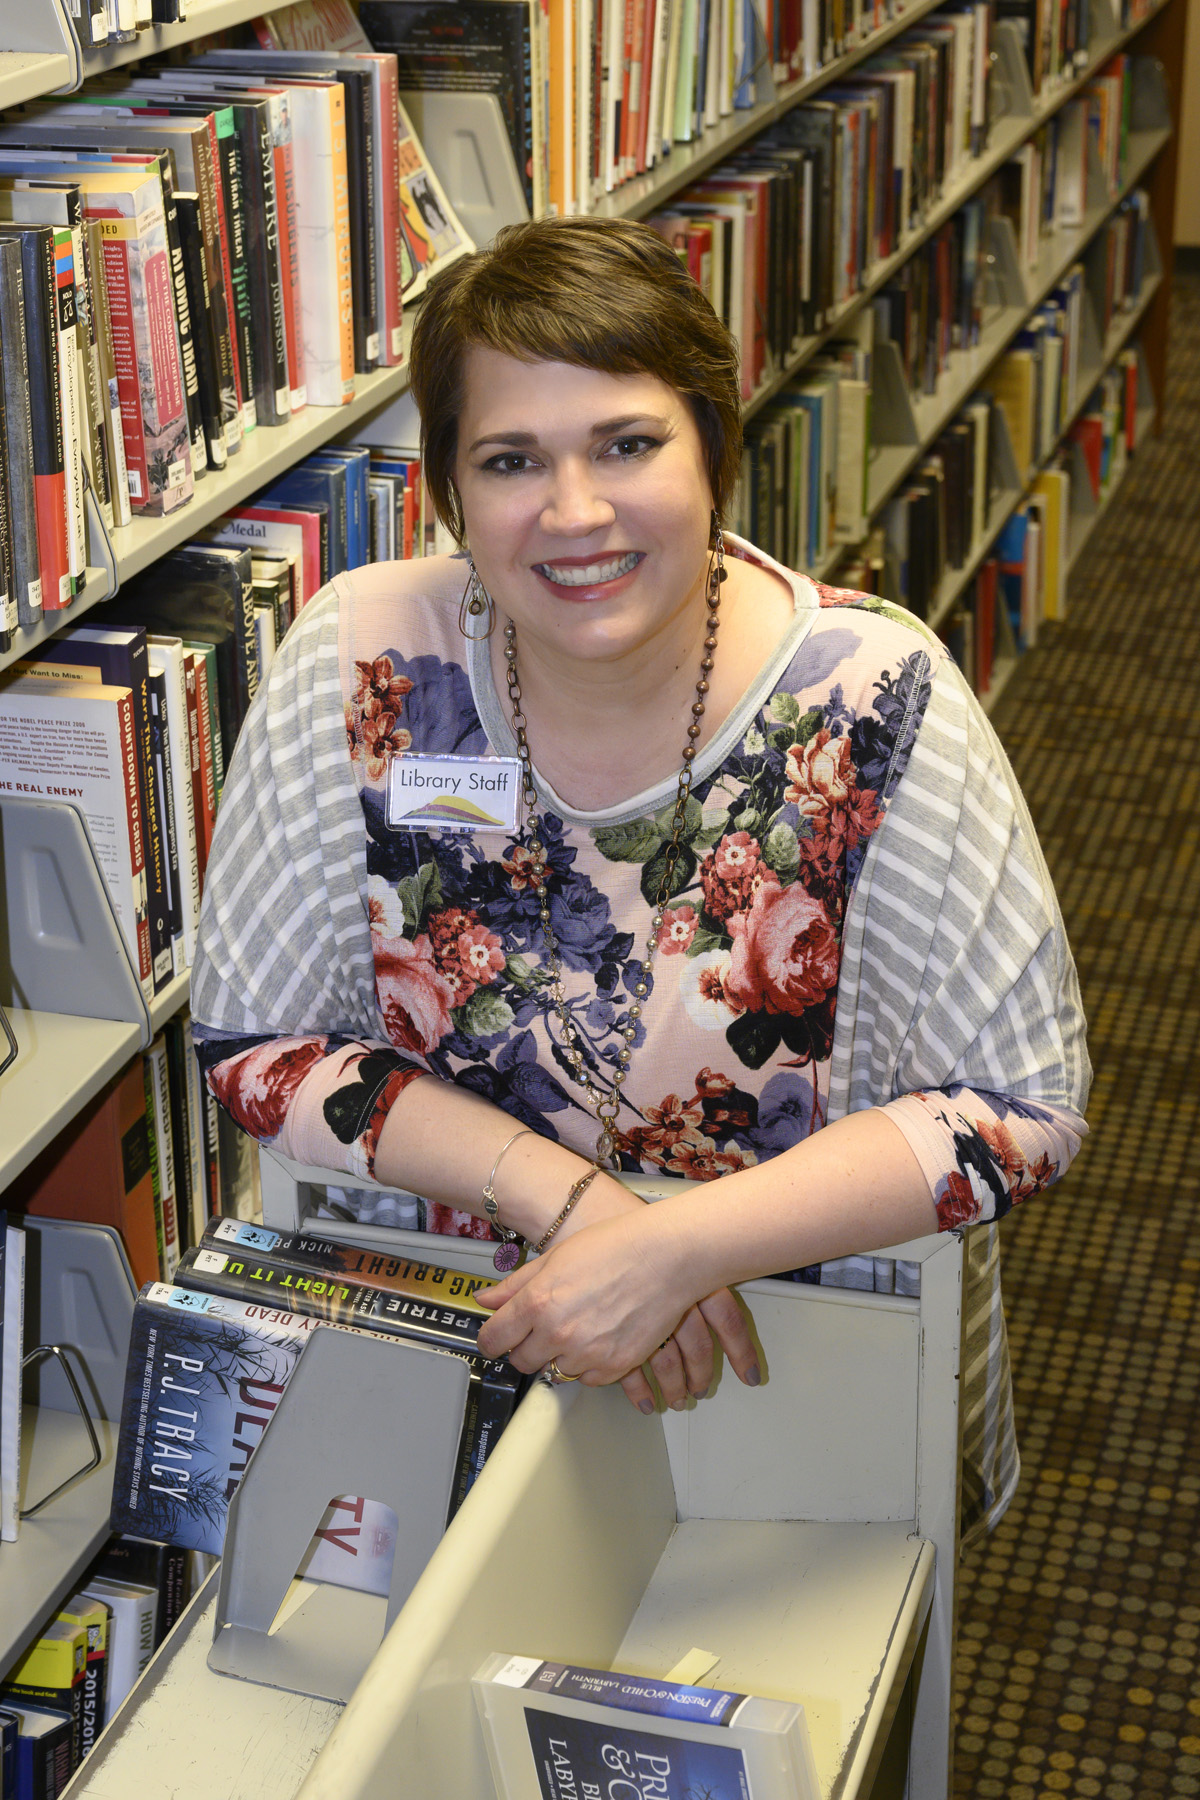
(558, 1732)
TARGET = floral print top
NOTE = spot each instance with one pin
(861, 917)
(732, 1052)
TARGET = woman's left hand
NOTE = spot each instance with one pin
(606, 1301)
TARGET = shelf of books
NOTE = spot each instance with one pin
(890, 463)
(1008, 499)
(266, 454)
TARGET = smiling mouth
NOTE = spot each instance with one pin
(589, 574)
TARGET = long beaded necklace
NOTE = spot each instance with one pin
(607, 1105)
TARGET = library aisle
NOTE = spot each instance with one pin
(1079, 1637)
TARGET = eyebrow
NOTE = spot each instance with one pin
(520, 440)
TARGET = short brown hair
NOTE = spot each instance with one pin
(603, 294)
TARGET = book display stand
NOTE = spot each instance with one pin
(325, 1649)
(79, 1306)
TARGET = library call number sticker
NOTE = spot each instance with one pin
(453, 793)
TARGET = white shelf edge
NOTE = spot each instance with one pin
(167, 1002)
(26, 74)
(62, 1061)
(203, 16)
(28, 637)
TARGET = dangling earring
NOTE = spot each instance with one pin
(716, 568)
(475, 605)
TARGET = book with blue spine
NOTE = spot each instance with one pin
(557, 1731)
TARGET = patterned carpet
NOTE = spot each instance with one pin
(1079, 1660)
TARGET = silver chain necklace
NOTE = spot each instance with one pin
(606, 1104)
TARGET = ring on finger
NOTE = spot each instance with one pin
(556, 1374)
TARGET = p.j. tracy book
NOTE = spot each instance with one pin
(204, 1377)
(567, 1733)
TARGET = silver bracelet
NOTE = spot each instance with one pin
(489, 1186)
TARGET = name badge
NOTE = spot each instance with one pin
(453, 793)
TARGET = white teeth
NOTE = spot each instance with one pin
(590, 572)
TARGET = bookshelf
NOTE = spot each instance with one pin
(64, 1060)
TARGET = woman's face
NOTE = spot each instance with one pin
(586, 501)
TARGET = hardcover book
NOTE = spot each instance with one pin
(98, 1169)
(205, 1375)
(74, 743)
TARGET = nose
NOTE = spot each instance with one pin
(576, 505)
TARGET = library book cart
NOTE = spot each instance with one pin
(804, 1534)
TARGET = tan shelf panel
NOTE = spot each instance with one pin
(61, 1062)
(24, 74)
(52, 1550)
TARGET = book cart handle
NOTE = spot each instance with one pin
(374, 1416)
(39, 1355)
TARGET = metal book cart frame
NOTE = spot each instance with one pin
(805, 1532)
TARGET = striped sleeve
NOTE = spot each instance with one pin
(283, 986)
(959, 1013)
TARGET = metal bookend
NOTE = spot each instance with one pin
(40, 1355)
(376, 1416)
(61, 946)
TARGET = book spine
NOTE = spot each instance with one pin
(212, 749)
(364, 319)
(241, 301)
(310, 1292)
(124, 342)
(195, 763)
(170, 480)
(50, 474)
(388, 175)
(72, 403)
(110, 393)
(196, 1093)
(96, 403)
(341, 239)
(162, 772)
(8, 597)
(216, 269)
(186, 327)
(162, 962)
(162, 1149)
(272, 395)
(348, 1262)
(18, 430)
(289, 254)
(191, 243)
(137, 854)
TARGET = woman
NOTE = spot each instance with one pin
(733, 879)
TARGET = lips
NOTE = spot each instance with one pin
(589, 574)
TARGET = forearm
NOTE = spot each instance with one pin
(854, 1186)
(442, 1141)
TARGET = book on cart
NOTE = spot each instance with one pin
(555, 1731)
(52, 1673)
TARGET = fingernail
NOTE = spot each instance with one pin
(646, 1406)
(678, 1405)
(753, 1375)
(700, 1393)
